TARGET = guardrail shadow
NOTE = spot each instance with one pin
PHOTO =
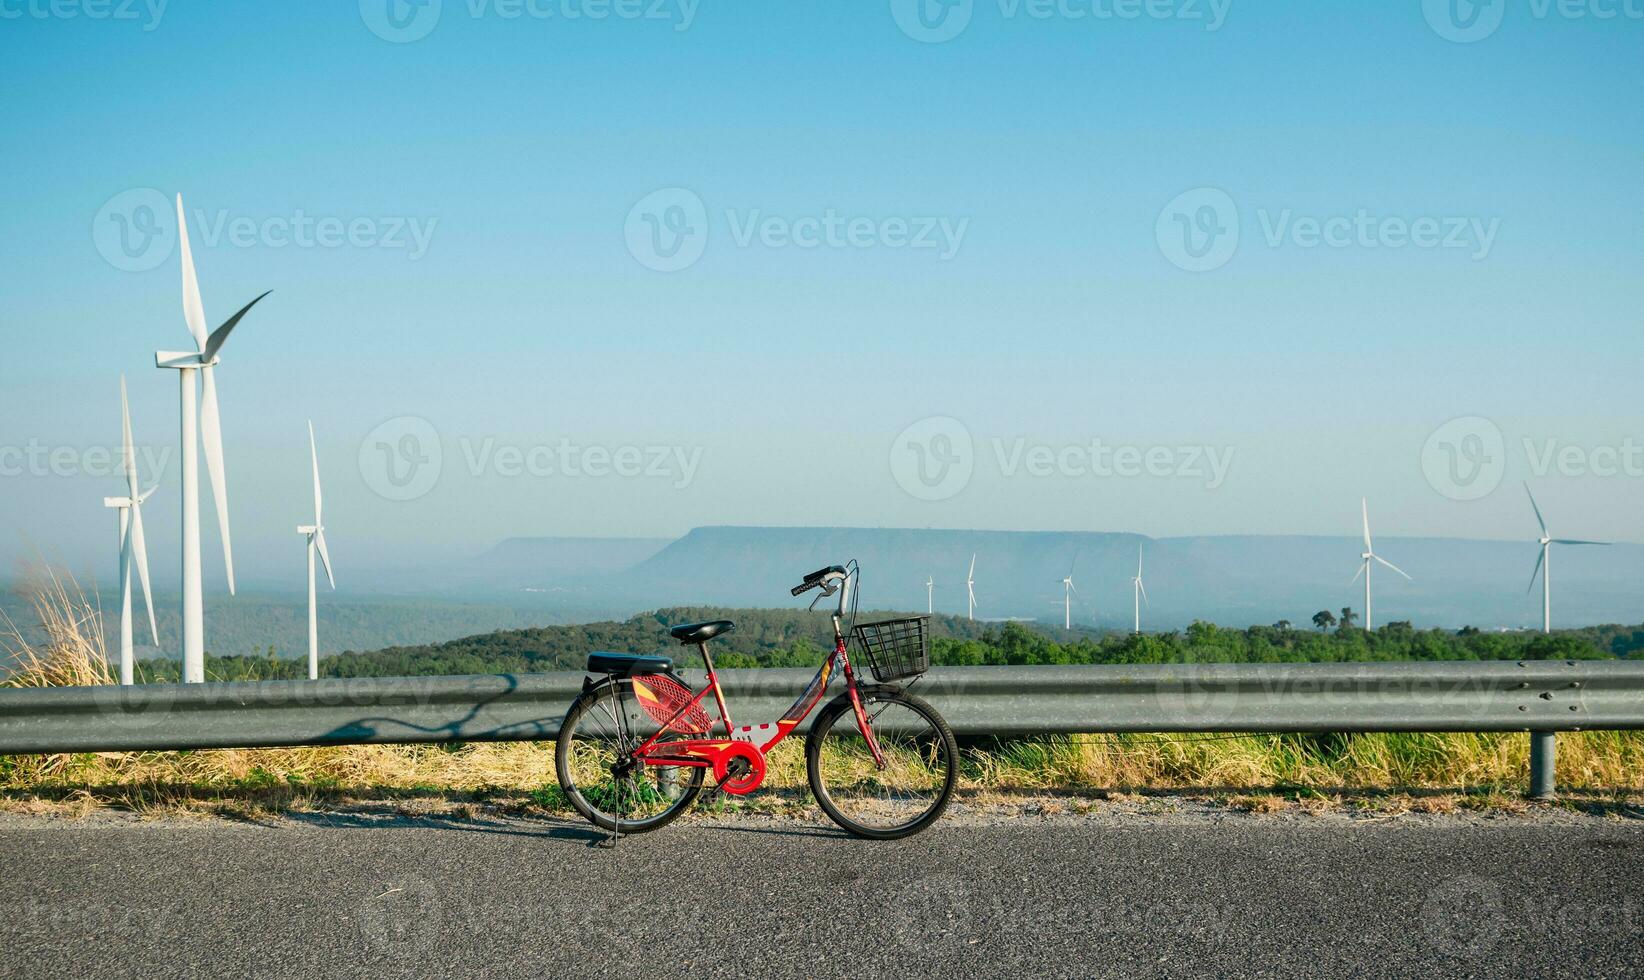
(370, 729)
(387, 818)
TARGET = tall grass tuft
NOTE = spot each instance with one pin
(66, 648)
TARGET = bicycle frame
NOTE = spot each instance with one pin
(719, 754)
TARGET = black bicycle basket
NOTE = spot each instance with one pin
(896, 648)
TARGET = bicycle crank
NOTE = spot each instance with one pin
(739, 771)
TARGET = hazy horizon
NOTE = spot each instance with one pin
(630, 276)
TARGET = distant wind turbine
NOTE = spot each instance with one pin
(1544, 564)
(930, 596)
(970, 589)
(133, 549)
(1138, 590)
(1368, 557)
(197, 424)
(316, 543)
(1068, 592)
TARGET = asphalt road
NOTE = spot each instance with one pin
(1130, 896)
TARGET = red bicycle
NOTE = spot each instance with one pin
(637, 745)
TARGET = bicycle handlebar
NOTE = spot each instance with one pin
(817, 579)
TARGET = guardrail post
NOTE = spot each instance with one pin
(1543, 764)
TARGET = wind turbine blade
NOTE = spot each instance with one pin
(139, 550)
(219, 336)
(1392, 566)
(211, 436)
(972, 573)
(1362, 567)
(325, 557)
(1138, 561)
(1541, 556)
(1073, 564)
(1537, 510)
(1141, 585)
(1602, 544)
(1364, 504)
(1073, 588)
(314, 455)
(127, 447)
(193, 310)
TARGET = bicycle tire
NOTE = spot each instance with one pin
(566, 746)
(940, 735)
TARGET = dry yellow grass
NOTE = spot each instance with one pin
(1260, 773)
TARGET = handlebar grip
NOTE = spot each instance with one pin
(798, 589)
(816, 576)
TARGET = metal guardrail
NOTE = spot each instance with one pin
(1530, 696)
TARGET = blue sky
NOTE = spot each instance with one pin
(1049, 142)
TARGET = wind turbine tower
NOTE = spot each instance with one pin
(315, 533)
(133, 549)
(1368, 557)
(1543, 563)
(200, 421)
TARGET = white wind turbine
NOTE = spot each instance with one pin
(205, 423)
(1068, 592)
(1543, 564)
(1368, 557)
(316, 543)
(133, 549)
(970, 589)
(1138, 590)
(930, 596)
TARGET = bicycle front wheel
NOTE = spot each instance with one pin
(918, 776)
(593, 758)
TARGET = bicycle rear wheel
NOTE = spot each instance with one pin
(902, 797)
(593, 758)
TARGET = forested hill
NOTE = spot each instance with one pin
(785, 638)
(762, 638)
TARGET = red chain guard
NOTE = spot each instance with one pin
(716, 755)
